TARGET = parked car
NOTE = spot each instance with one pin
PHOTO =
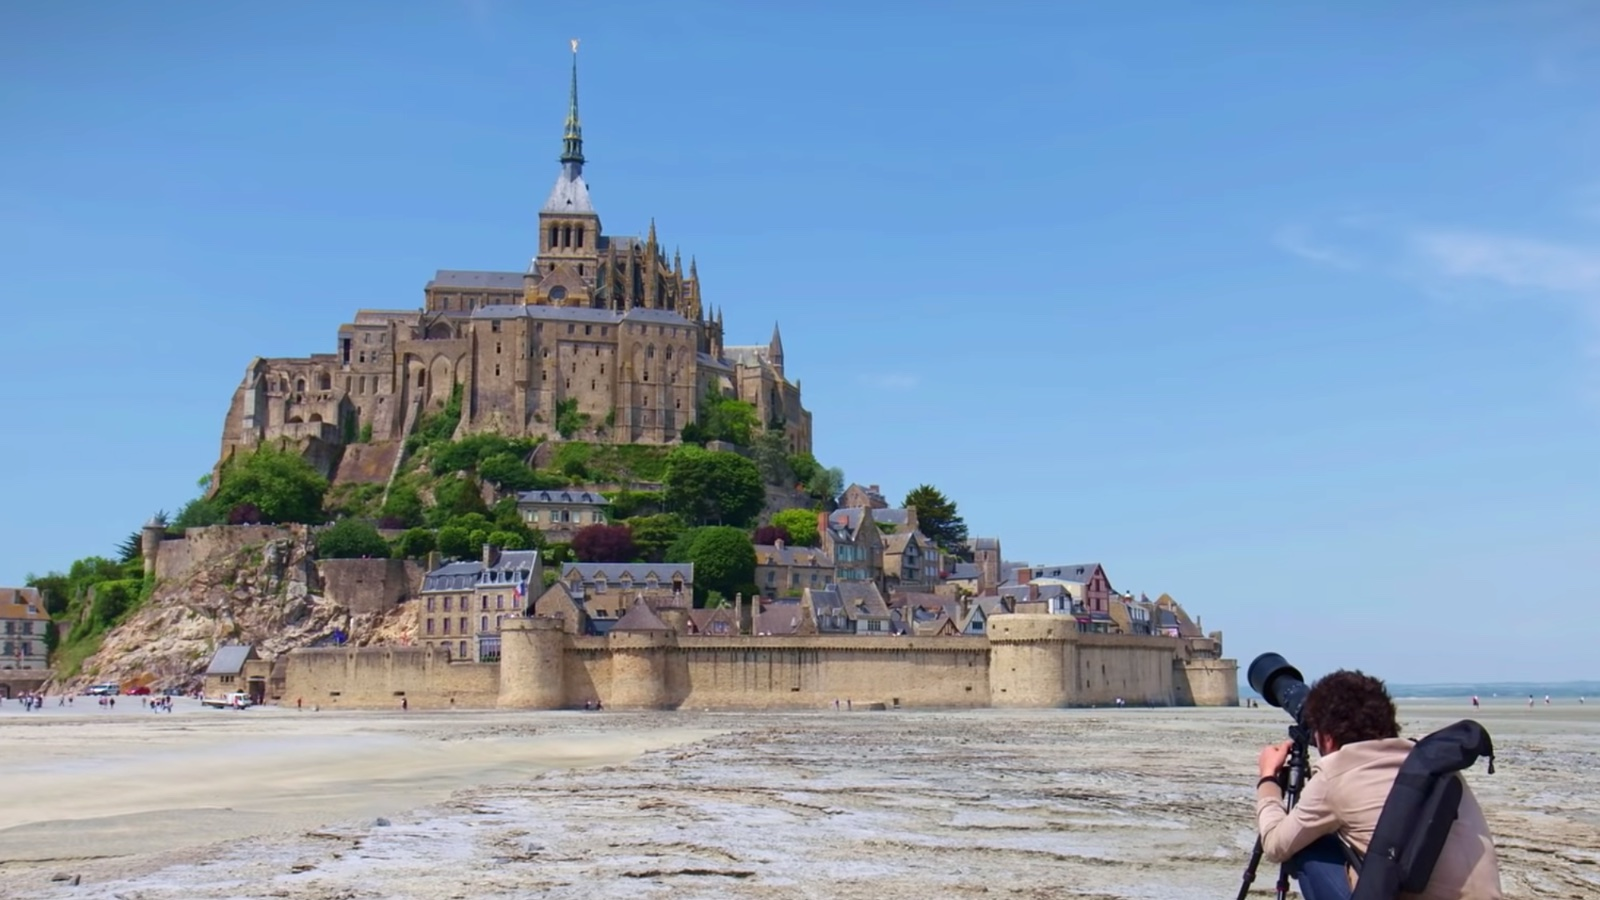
(139, 691)
(104, 690)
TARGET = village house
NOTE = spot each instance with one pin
(852, 540)
(237, 667)
(784, 617)
(718, 622)
(849, 607)
(784, 571)
(464, 603)
(590, 598)
(1132, 616)
(558, 514)
(910, 562)
(857, 497)
(23, 623)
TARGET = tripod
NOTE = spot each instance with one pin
(1296, 768)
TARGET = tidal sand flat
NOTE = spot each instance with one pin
(1135, 803)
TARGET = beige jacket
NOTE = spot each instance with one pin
(1346, 795)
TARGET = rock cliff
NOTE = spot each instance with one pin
(263, 588)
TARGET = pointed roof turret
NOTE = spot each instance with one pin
(775, 347)
(640, 617)
(694, 273)
(572, 141)
(571, 194)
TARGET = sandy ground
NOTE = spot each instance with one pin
(1083, 803)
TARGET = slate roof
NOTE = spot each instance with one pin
(640, 617)
(746, 356)
(846, 522)
(570, 194)
(1079, 572)
(897, 517)
(986, 544)
(963, 571)
(464, 575)
(230, 659)
(780, 617)
(702, 620)
(773, 555)
(469, 279)
(862, 600)
(638, 572)
(581, 497)
(453, 576)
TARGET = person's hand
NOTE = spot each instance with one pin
(1272, 758)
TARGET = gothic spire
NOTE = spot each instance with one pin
(572, 141)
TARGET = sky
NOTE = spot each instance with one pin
(1290, 312)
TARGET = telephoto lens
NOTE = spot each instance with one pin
(1279, 683)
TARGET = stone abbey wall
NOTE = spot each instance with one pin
(1027, 661)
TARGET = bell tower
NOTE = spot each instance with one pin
(569, 228)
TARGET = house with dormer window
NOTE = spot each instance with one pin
(558, 514)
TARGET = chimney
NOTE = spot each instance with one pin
(433, 560)
(822, 527)
(872, 488)
(738, 614)
(1024, 575)
(778, 543)
(490, 555)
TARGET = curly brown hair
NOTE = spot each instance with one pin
(1349, 707)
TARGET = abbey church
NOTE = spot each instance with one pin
(603, 332)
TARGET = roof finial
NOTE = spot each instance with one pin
(572, 142)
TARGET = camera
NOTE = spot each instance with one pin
(1280, 684)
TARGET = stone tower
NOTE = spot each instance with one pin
(1029, 661)
(569, 227)
(531, 664)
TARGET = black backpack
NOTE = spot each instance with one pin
(1419, 811)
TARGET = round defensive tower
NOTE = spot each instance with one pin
(639, 669)
(150, 544)
(1028, 660)
(531, 663)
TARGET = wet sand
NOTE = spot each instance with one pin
(1075, 803)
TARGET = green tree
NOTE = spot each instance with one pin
(508, 473)
(652, 535)
(416, 543)
(805, 467)
(727, 419)
(604, 544)
(507, 540)
(827, 484)
(455, 542)
(279, 483)
(938, 519)
(713, 488)
(724, 561)
(456, 496)
(351, 539)
(403, 505)
(198, 513)
(771, 455)
(801, 525)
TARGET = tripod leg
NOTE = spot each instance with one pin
(1283, 881)
(1250, 870)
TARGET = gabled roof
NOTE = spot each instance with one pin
(561, 496)
(773, 555)
(640, 617)
(638, 573)
(845, 522)
(986, 544)
(700, 621)
(466, 279)
(21, 603)
(862, 600)
(780, 617)
(897, 517)
(230, 659)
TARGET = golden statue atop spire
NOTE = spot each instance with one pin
(574, 45)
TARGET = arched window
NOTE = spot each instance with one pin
(580, 240)
(422, 378)
(650, 352)
(324, 381)
(300, 385)
(555, 236)
(566, 236)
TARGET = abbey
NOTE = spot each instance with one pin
(604, 336)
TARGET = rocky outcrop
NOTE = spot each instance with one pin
(265, 591)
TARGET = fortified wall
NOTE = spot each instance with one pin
(1037, 661)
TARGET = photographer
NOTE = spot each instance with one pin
(1354, 727)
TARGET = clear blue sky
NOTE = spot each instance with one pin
(1293, 313)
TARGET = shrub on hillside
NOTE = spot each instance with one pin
(351, 539)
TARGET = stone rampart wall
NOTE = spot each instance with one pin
(1038, 665)
(1207, 682)
(378, 677)
(178, 557)
(366, 585)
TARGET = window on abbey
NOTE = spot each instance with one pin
(494, 326)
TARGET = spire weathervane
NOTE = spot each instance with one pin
(572, 141)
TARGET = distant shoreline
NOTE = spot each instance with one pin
(1485, 690)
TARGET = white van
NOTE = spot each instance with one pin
(109, 689)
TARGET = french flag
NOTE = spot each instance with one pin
(521, 590)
